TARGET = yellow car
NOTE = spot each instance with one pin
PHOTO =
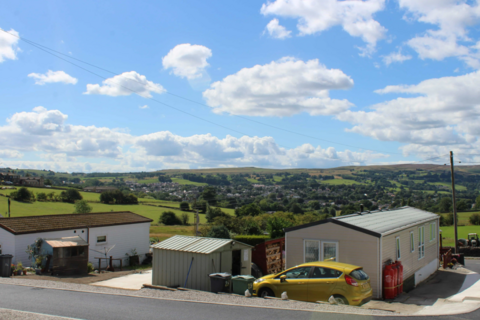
(318, 281)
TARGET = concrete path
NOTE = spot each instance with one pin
(448, 292)
(131, 282)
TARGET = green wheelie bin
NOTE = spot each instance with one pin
(241, 283)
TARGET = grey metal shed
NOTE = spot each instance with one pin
(173, 258)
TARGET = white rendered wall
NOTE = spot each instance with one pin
(124, 237)
(426, 271)
(7, 241)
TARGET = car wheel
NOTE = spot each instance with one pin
(266, 292)
(341, 300)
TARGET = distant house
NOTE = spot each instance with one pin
(16, 179)
(98, 189)
(125, 230)
(371, 240)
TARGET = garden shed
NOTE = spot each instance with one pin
(371, 240)
(69, 255)
(197, 257)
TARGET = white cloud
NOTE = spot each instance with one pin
(275, 30)
(315, 16)
(53, 76)
(395, 57)
(9, 45)
(144, 107)
(126, 84)
(453, 18)
(187, 60)
(280, 88)
(443, 113)
(64, 147)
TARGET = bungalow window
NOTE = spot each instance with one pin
(421, 242)
(412, 242)
(397, 241)
(102, 239)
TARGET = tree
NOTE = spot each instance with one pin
(41, 196)
(248, 210)
(209, 194)
(117, 197)
(449, 219)
(219, 232)
(163, 178)
(212, 213)
(23, 194)
(251, 227)
(184, 206)
(295, 208)
(474, 219)
(185, 217)
(445, 204)
(276, 225)
(477, 203)
(462, 205)
(169, 218)
(333, 212)
(200, 205)
(82, 206)
(70, 195)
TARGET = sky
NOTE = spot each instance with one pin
(122, 86)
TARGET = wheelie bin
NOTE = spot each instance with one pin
(220, 282)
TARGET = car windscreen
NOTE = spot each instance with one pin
(359, 274)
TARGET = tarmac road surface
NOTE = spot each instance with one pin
(82, 305)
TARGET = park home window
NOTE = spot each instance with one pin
(316, 250)
(421, 242)
(432, 231)
(102, 239)
(412, 242)
(397, 240)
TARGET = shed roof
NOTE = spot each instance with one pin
(57, 222)
(194, 244)
(76, 241)
(378, 223)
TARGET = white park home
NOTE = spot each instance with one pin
(370, 240)
(126, 230)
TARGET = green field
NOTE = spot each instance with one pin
(457, 186)
(463, 217)
(252, 180)
(165, 232)
(183, 181)
(448, 233)
(340, 181)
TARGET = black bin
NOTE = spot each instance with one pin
(220, 282)
(5, 265)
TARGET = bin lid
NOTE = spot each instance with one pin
(220, 275)
(6, 256)
(244, 277)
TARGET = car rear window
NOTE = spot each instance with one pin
(359, 274)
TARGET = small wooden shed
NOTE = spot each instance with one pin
(69, 255)
(196, 257)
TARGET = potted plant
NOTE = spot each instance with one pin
(13, 267)
(19, 268)
(133, 258)
(38, 264)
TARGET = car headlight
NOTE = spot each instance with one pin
(259, 280)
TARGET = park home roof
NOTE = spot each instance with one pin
(57, 222)
(194, 244)
(378, 223)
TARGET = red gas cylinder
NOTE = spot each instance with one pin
(389, 282)
(399, 278)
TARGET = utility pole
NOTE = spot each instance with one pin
(453, 202)
(9, 207)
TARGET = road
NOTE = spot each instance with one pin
(82, 305)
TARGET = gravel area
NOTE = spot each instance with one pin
(200, 296)
(6, 314)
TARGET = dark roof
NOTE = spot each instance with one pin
(57, 222)
(378, 222)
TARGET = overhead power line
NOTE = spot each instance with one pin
(52, 51)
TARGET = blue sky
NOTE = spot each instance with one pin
(349, 82)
